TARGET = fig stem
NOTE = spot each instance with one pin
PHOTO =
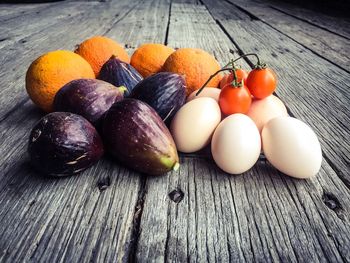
(122, 89)
(176, 166)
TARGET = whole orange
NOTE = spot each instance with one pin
(48, 73)
(149, 58)
(98, 49)
(195, 65)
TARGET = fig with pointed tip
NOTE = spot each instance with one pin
(63, 143)
(90, 98)
(165, 92)
(136, 136)
(120, 73)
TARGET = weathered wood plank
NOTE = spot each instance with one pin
(13, 94)
(18, 29)
(314, 90)
(327, 44)
(260, 216)
(81, 218)
(8, 11)
(143, 28)
(338, 25)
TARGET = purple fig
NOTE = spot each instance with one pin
(120, 73)
(165, 92)
(63, 143)
(136, 136)
(90, 98)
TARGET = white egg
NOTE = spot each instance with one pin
(236, 144)
(292, 147)
(206, 92)
(261, 111)
(194, 124)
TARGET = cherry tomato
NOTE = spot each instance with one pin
(234, 99)
(241, 75)
(261, 82)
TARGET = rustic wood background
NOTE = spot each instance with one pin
(197, 214)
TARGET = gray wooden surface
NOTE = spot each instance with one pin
(198, 214)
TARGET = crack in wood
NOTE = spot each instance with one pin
(136, 226)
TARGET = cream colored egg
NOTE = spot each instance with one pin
(292, 147)
(261, 111)
(206, 92)
(194, 124)
(236, 144)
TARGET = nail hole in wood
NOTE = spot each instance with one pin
(103, 183)
(331, 201)
(176, 195)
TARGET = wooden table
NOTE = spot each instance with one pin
(197, 214)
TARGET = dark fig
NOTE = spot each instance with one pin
(136, 136)
(90, 98)
(165, 92)
(120, 73)
(63, 143)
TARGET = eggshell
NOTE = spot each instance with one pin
(194, 124)
(292, 147)
(206, 92)
(261, 111)
(236, 144)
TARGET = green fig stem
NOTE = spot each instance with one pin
(122, 89)
(176, 166)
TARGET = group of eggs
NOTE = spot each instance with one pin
(289, 144)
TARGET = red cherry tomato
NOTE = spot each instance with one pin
(234, 99)
(241, 75)
(261, 82)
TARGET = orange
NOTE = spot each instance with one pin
(148, 59)
(48, 73)
(98, 49)
(195, 65)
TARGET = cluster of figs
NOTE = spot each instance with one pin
(120, 113)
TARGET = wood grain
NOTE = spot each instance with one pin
(314, 90)
(261, 215)
(82, 218)
(8, 11)
(199, 213)
(332, 23)
(17, 29)
(87, 24)
(324, 43)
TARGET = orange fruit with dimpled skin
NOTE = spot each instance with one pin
(98, 49)
(149, 58)
(195, 65)
(50, 72)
